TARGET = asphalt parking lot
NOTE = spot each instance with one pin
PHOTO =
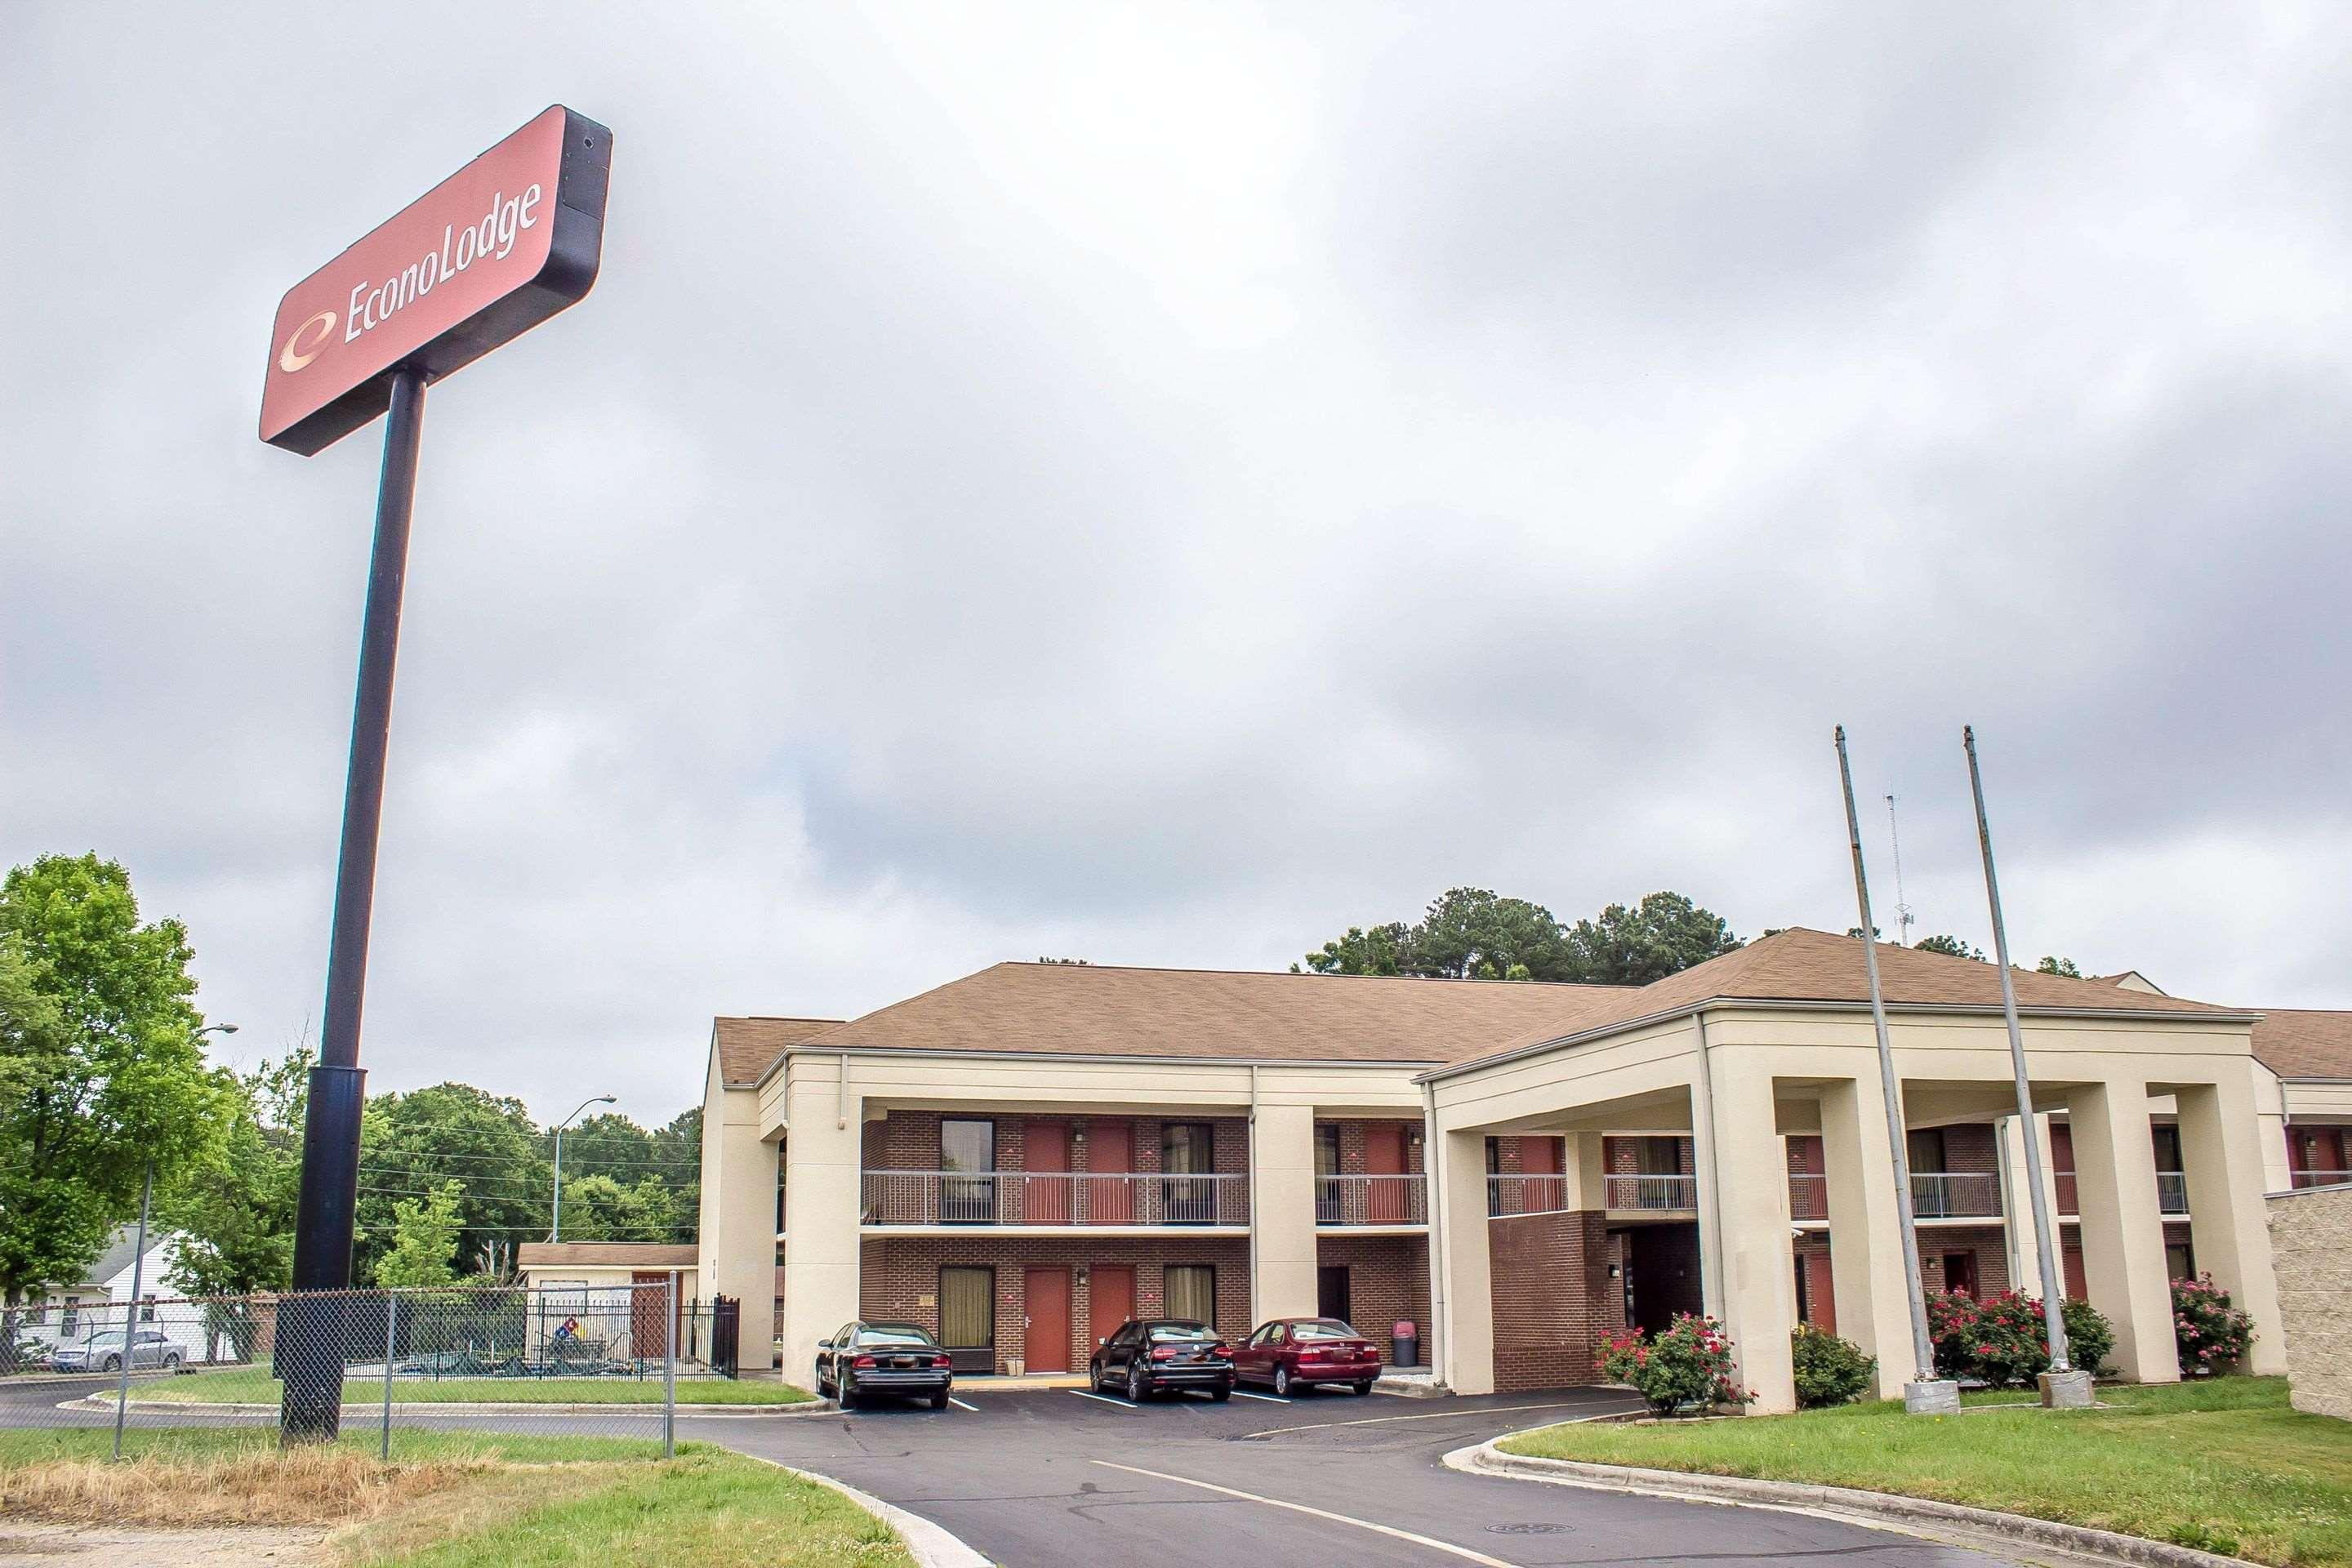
(1046, 1477)
(1039, 1478)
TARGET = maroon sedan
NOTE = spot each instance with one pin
(1291, 1351)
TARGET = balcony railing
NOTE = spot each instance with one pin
(1053, 1198)
(1809, 1195)
(2322, 1178)
(1508, 1195)
(2172, 1192)
(1951, 1195)
(1653, 1193)
(1372, 1200)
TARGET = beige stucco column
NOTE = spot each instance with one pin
(2228, 1223)
(737, 1239)
(822, 1187)
(1752, 1258)
(2122, 1226)
(1584, 1171)
(1281, 1212)
(1873, 1307)
(1468, 1324)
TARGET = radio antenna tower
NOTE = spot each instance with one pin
(1902, 910)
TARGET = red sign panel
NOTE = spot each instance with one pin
(485, 255)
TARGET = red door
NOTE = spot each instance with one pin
(1384, 1156)
(1540, 1158)
(1110, 1299)
(1111, 1199)
(1046, 1152)
(1046, 1347)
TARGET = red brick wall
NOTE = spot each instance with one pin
(1351, 1144)
(1388, 1281)
(1553, 1298)
(1622, 1156)
(898, 1271)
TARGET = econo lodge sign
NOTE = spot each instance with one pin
(490, 252)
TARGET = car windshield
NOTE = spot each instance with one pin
(1182, 1334)
(1324, 1329)
(894, 1334)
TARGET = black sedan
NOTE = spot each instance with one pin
(865, 1358)
(1147, 1354)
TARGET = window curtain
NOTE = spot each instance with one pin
(967, 1308)
(1192, 1292)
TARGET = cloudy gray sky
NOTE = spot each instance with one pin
(1161, 484)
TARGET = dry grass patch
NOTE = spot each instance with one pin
(258, 1487)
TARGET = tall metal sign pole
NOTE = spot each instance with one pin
(1925, 1394)
(2062, 1386)
(498, 247)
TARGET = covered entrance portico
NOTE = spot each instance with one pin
(1742, 1074)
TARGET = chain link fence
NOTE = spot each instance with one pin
(563, 1360)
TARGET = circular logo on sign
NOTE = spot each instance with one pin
(296, 355)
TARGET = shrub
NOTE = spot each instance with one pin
(2211, 1334)
(2089, 1335)
(2001, 1341)
(1829, 1370)
(1689, 1364)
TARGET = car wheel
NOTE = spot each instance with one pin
(112, 1364)
(940, 1400)
(1363, 1387)
(171, 1363)
(1282, 1381)
(848, 1398)
(1222, 1393)
(823, 1388)
(1135, 1386)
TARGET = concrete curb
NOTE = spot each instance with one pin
(931, 1545)
(1921, 1515)
(104, 1405)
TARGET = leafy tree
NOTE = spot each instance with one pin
(411, 1143)
(611, 1146)
(104, 1075)
(598, 1208)
(423, 1240)
(677, 1149)
(1663, 934)
(1950, 945)
(1375, 951)
(235, 1213)
(2064, 966)
(1475, 933)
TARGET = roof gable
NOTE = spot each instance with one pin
(748, 1048)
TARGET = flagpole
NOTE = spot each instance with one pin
(1925, 1394)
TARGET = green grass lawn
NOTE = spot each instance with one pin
(2223, 1464)
(463, 1500)
(254, 1385)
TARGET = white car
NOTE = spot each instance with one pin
(103, 1353)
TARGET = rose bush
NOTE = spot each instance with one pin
(2000, 1340)
(1688, 1363)
(2211, 1335)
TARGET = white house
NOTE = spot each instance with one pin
(64, 1314)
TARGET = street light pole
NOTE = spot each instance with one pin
(556, 1231)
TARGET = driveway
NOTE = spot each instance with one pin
(1047, 1479)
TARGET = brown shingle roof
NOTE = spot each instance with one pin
(2304, 1042)
(1802, 965)
(749, 1046)
(1102, 1010)
(603, 1255)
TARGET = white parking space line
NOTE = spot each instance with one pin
(1439, 1416)
(960, 1404)
(1098, 1399)
(1388, 1529)
(1269, 1398)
